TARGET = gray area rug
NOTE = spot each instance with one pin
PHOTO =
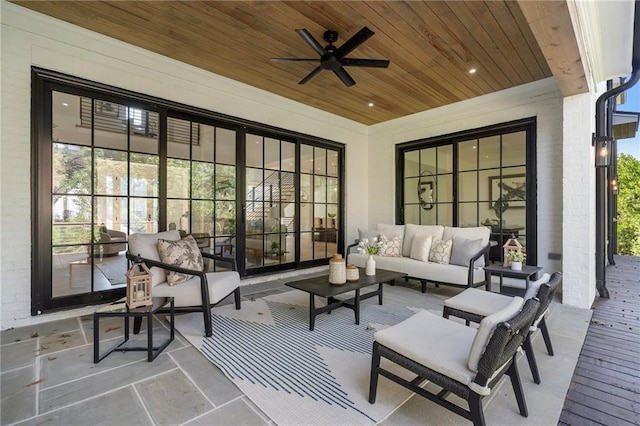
(321, 377)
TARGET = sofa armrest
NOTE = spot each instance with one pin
(484, 252)
(348, 250)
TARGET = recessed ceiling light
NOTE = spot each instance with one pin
(65, 104)
(370, 104)
(472, 71)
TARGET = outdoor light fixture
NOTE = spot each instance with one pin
(602, 150)
(614, 185)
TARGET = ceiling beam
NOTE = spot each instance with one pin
(551, 25)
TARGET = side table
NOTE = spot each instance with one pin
(119, 309)
(525, 274)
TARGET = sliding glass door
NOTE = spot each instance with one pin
(108, 164)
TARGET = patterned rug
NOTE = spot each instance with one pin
(302, 377)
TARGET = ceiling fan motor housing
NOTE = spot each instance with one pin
(330, 36)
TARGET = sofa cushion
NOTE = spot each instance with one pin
(420, 247)
(449, 274)
(411, 231)
(146, 245)
(393, 247)
(486, 328)
(440, 251)
(464, 249)
(470, 233)
(184, 253)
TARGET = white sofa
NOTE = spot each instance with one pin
(470, 275)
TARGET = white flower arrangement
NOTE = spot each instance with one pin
(516, 256)
(374, 246)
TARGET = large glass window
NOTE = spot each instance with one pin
(473, 179)
(105, 185)
(107, 166)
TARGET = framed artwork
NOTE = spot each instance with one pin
(510, 192)
(106, 109)
(425, 195)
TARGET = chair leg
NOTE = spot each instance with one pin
(206, 312)
(236, 295)
(475, 409)
(373, 381)
(517, 388)
(424, 285)
(542, 325)
(531, 358)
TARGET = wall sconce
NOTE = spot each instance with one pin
(602, 150)
(614, 185)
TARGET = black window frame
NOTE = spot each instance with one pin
(528, 125)
(45, 82)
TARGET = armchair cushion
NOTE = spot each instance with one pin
(414, 338)
(190, 293)
(184, 253)
(486, 328)
(146, 245)
(480, 302)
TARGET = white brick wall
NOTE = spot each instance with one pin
(29, 38)
(541, 99)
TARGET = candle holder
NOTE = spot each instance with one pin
(138, 285)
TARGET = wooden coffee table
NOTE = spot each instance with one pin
(319, 286)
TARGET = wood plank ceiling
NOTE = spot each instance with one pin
(432, 45)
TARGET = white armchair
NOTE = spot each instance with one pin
(474, 305)
(456, 358)
(111, 241)
(199, 293)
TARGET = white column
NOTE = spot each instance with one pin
(578, 201)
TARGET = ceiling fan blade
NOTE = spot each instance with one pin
(371, 63)
(294, 60)
(306, 35)
(345, 77)
(355, 41)
(311, 75)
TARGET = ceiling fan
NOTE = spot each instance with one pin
(333, 58)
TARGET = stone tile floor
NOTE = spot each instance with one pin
(48, 377)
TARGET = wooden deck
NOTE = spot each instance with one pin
(605, 388)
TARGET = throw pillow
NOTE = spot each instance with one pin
(440, 251)
(368, 234)
(183, 253)
(393, 248)
(463, 250)
(420, 247)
